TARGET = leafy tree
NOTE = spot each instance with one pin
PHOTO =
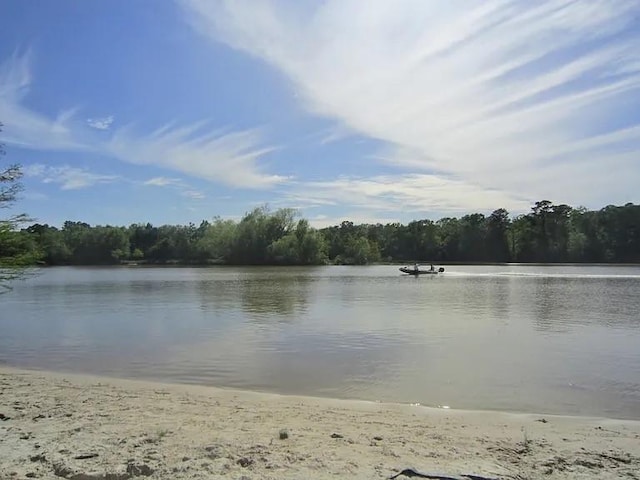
(473, 233)
(16, 248)
(522, 239)
(619, 233)
(100, 245)
(558, 230)
(420, 238)
(359, 251)
(257, 230)
(577, 243)
(498, 223)
(51, 243)
(285, 250)
(303, 246)
(448, 239)
(312, 248)
(142, 237)
(217, 241)
(541, 212)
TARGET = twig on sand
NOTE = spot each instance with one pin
(410, 472)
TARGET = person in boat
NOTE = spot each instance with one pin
(431, 267)
(415, 267)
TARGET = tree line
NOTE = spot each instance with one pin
(262, 237)
(548, 234)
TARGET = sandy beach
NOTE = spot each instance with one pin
(55, 425)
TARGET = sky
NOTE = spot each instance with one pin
(167, 111)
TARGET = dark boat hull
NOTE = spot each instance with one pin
(413, 271)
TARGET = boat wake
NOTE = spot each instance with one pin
(541, 275)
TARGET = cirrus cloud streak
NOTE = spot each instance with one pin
(227, 157)
(504, 95)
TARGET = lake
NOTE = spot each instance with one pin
(548, 339)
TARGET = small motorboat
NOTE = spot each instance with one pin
(415, 270)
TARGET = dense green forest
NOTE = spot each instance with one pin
(549, 233)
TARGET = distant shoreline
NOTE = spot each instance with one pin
(391, 264)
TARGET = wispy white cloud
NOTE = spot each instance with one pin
(398, 194)
(15, 77)
(329, 135)
(24, 127)
(163, 181)
(231, 158)
(69, 178)
(193, 194)
(102, 123)
(502, 95)
(73, 178)
(178, 184)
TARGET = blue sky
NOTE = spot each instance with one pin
(177, 111)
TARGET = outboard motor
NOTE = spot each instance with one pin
(441, 269)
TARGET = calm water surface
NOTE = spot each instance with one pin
(522, 338)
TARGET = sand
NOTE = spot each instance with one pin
(83, 428)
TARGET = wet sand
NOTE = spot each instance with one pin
(77, 427)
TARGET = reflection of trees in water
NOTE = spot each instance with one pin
(498, 296)
(282, 296)
(475, 298)
(550, 304)
(562, 303)
(218, 294)
(259, 297)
